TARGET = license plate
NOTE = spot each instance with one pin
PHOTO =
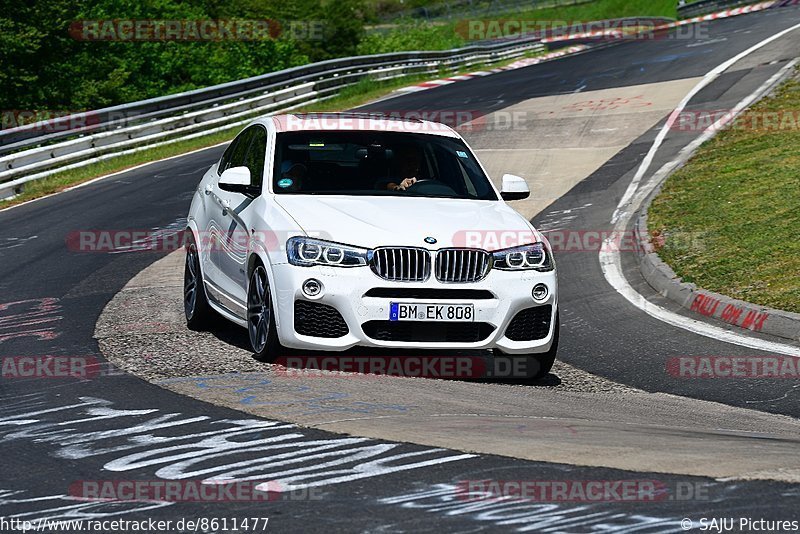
(461, 313)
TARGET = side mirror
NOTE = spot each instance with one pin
(237, 180)
(514, 188)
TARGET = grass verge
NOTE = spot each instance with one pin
(739, 197)
(440, 35)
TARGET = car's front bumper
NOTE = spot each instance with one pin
(345, 289)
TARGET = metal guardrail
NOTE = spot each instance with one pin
(10, 139)
(706, 7)
(701, 7)
(29, 152)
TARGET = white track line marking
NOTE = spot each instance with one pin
(707, 79)
(610, 261)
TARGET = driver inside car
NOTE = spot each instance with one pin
(410, 164)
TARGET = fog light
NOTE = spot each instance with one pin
(312, 287)
(539, 292)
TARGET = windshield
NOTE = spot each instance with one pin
(377, 163)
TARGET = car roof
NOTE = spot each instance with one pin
(355, 121)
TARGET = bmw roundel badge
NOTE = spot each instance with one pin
(430, 240)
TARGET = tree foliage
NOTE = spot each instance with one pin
(43, 67)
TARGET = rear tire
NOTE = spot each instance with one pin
(195, 304)
(538, 365)
(261, 318)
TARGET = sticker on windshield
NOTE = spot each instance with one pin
(461, 154)
(285, 182)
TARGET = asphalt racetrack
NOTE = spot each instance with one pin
(587, 122)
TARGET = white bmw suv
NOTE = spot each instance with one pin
(327, 231)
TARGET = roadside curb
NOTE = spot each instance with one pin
(525, 62)
(734, 312)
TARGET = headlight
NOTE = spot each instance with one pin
(304, 251)
(528, 257)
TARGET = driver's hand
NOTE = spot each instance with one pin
(405, 184)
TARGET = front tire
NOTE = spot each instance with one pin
(195, 304)
(260, 317)
(539, 365)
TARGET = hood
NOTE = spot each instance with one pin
(370, 222)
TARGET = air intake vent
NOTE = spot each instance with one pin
(401, 264)
(530, 324)
(427, 332)
(429, 293)
(318, 320)
(456, 265)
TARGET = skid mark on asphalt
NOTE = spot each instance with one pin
(501, 423)
(35, 318)
(707, 42)
(14, 242)
(609, 104)
(177, 446)
(154, 237)
(555, 219)
(794, 389)
(669, 58)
